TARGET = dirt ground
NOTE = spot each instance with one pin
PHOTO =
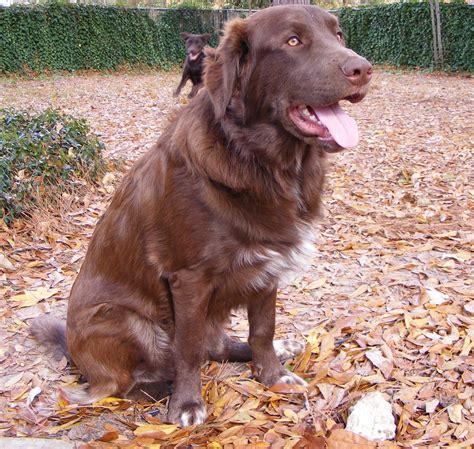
(386, 305)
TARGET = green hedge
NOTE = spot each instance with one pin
(70, 37)
(401, 34)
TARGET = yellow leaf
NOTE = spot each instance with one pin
(290, 414)
(455, 413)
(108, 400)
(148, 429)
(315, 284)
(359, 291)
(214, 445)
(30, 298)
(327, 346)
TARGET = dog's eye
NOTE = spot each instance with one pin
(293, 41)
(340, 36)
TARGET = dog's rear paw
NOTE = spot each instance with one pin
(287, 349)
(188, 414)
(291, 379)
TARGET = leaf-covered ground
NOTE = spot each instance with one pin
(387, 304)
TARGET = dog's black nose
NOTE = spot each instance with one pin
(357, 70)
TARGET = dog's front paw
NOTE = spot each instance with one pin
(187, 414)
(292, 379)
(287, 349)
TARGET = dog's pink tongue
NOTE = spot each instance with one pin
(343, 128)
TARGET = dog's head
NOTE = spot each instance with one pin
(289, 65)
(195, 44)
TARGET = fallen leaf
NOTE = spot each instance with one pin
(6, 264)
(32, 395)
(343, 439)
(455, 413)
(30, 298)
(288, 389)
(430, 406)
(381, 362)
(152, 429)
(315, 284)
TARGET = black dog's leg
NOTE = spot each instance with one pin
(183, 81)
(195, 90)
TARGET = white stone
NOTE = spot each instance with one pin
(372, 418)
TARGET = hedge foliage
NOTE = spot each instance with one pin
(401, 34)
(69, 37)
(42, 156)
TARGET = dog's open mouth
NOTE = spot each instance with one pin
(193, 56)
(329, 123)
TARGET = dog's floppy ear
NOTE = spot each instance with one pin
(184, 35)
(224, 68)
(206, 37)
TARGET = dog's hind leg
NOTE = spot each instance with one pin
(108, 366)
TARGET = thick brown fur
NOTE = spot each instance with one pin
(211, 218)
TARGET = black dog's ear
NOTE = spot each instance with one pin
(206, 37)
(184, 35)
(225, 67)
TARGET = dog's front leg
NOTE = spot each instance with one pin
(195, 89)
(267, 367)
(184, 79)
(190, 300)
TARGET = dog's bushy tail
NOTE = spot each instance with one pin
(51, 332)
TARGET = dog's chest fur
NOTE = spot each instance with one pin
(266, 263)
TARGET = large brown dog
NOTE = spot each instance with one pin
(215, 214)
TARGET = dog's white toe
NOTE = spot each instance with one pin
(287, 349)
(194, 416)
(291, 379)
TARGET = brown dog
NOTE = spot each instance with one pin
(215, 214)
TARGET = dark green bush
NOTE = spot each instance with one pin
(400, 34)
(41, 156)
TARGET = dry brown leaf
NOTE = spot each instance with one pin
(343, 439)
(385, 366)
(288, 389)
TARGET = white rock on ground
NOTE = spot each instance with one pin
(372, 418)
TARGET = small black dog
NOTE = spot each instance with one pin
(194, 63)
